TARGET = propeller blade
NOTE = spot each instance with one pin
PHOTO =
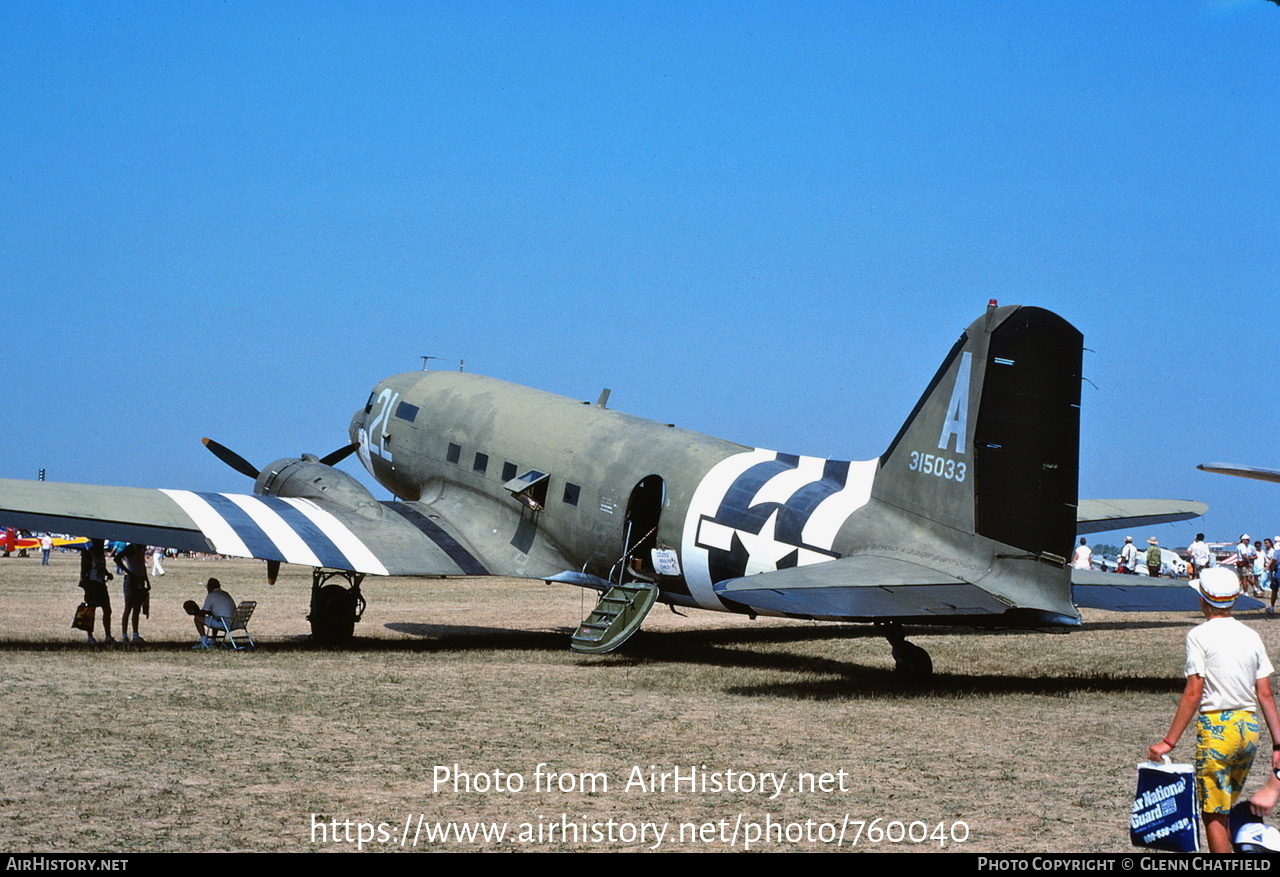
(273, 571)
(339, 455)
(231, 458)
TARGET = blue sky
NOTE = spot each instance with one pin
(764, 221)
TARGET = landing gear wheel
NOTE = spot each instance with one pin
(335, 609)
(333, 620)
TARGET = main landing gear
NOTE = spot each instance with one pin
(910, 662)
(335, 609)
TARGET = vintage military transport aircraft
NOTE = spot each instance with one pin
(965, 519)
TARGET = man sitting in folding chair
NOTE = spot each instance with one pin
(215, 615)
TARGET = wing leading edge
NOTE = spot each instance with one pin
(392, 538)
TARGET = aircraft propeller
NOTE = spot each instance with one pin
(334, 457)
(231, 458)
(244, 467)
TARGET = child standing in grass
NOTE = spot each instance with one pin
(1228, 680)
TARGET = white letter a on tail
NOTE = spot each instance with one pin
(958, 409)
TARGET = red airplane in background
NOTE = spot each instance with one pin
(10, 541)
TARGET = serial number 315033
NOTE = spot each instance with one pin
(938, 465)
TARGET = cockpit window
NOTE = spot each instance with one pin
(408, 412)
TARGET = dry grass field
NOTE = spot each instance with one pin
(1025, 741)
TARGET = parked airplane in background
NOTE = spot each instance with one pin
(1241, 471)
(964, 520)
(11, 541)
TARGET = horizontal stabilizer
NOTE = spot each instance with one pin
(860, 587)
(1132, 593)
(1241, 471)
(1100, 515)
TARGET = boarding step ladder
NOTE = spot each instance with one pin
(616, 617)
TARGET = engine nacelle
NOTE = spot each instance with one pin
(308, 478)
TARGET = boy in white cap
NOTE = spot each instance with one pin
(1228, 681)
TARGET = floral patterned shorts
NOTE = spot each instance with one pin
(1225, 744)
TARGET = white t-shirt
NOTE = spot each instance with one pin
(1083, 558)
(1199, 552)
(1231, 659)
(220, 603)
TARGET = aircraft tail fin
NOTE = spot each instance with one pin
(993, 445)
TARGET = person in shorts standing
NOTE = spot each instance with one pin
(137, 589)
(1228, 682)
(1245, 556)
(1199, 555)
(93, 580)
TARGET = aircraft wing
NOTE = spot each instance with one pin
(1133, 593)
(1099, 515)
(1241, 471)
(390, 538)
(861, 586)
